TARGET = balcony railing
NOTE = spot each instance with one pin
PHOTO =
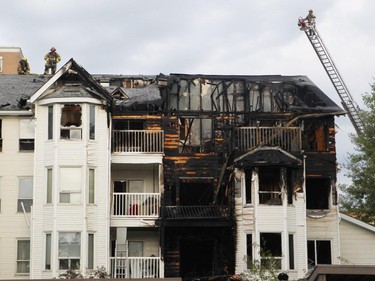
(135, 267)
(196, 212)
(288, 139)
(136, 204)
(146, 141)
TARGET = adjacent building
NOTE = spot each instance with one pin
(178, 175)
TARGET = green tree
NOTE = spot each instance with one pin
(358, 198)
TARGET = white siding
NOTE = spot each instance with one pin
(13, 225)
(357, 244)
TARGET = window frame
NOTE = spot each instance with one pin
(276, 258)
(71, 259)
(49, 190)
(90, 250)
(23, 260)
(74, 131)
(91, 185)
(48, 251)
(22, 199)
(50, 122)
(316, 258)
(67, 187)
(92, 121)
(26, 135)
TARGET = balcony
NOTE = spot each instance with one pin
(135, 204)
(135, 267)
(136, 141)
(288, 139)
(196, 212)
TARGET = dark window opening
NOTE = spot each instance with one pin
(269, 185)
(196, 258)
(318, 252)
(92, 122)
(128, 125)
(193, 193)
(248, 188)
(50, 122)
(71, 122)
(271, 253)
(291, 251)
(249, 249)
(317, 193)
(290, 185)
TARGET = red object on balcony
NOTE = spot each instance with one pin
(133, 210)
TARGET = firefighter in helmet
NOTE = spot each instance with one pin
(23, 66)
(52, 59)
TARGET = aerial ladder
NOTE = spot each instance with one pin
(347, 100)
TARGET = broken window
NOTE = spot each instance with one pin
(270, 253)
(318, 192)
(27, 134)
(318, 252)
(196, 192)
(195, 135)
(316, 135)
(71, 122)
(270, 185)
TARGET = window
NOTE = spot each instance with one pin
(249, 249)
(90, 257)
(91, 186)
(92, 122)
(47, 264)
(318, 252)
(71, 122)
(196, 135)
(248, 188)
(270, 245)
(50, 122)
(1, 64)
(135, 248)
(69, 250)
(269, 186)
(25, 194)
(49, 186)
(318, 191)
(23, 256)
(27, 134)
(291, 251)
(70, 185)
(1, 135)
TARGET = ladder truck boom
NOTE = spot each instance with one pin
(347, 100)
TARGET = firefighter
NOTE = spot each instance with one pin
(283, 276)
(311, 21)
(52, 59)
(23, 66)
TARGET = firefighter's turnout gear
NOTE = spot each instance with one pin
(23, 66)
(52, 59)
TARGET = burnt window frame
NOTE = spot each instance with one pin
(73, 131)
(273, 189)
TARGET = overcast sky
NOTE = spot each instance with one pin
(249, 37)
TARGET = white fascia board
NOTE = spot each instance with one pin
(50, 82)
(16, 113)
(357, 222)
(70, 100)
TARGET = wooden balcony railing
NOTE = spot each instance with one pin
(136, 204)
(196, 212)
(135, 267)
(146, 141)
(288, 139)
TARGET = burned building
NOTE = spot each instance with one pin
(180, 175)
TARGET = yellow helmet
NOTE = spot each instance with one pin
(24, 58)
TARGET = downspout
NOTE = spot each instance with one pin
(285, 218)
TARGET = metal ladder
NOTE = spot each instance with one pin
(348, 103)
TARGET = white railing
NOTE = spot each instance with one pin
(147, 141)
(135, 267)
(288, 139)
(136, 204)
